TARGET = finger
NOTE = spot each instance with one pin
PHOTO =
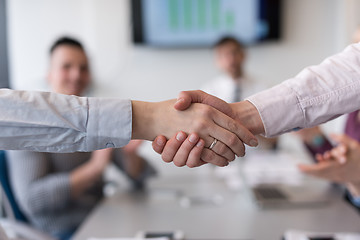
(319, 157)
(194, 159)
(185, 99)
(186, 147)
(235, 127)
(339, 153)
(172, 146)
(159, 143)
(223, 150)
(327, 156)
(344, 139)
(228, 138)
(317, 168)
(210, 156)
(324, 170)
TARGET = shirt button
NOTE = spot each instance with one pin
(110, 145)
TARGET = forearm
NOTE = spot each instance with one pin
(134, 165)
(247, 114)
(83, 177)
(316, 95)
(50, 122)
(150, 119)
(143, 120)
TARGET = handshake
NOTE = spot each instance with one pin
(197, 129)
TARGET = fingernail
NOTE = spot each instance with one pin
(160, 141)
(200, 144)
(179, 100)
(180, 136)
(193, 138)
(342, 160)
(254, 143)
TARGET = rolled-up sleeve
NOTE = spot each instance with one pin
(316, 95)
(50, 122)
(110, 123)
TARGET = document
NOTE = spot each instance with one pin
(161, 238)
(304, 235)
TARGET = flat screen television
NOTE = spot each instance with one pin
(200, 23)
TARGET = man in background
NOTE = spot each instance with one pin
(232, 85)
(56, 191)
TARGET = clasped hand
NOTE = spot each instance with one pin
(202, 118)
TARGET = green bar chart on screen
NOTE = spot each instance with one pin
(190, 15)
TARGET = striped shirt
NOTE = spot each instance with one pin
(41, 185)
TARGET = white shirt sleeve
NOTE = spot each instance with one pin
(316, 95)
(50, 122)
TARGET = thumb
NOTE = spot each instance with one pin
(186, 98)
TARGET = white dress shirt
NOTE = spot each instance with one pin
(226, 88)
(316, 95)
(50, 122)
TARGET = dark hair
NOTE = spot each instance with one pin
(228, 39)
(65, 41)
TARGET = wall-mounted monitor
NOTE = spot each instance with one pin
(200, 23)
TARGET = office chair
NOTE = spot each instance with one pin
(15, 224)
(12, 209)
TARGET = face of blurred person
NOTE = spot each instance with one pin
(69, 70)
(230, 58)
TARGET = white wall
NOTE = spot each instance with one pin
(313, 29)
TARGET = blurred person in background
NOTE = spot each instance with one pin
(232, 85)
(316, 141)
(320, 147)
(56, 191)
(341, 165)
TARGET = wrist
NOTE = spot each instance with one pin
(247, 114)
(143, 122)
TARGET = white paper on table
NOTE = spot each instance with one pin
(272, 168)
(303, 235)
(160, 238)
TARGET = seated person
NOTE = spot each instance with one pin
(341, 165)
(346, 165)
(233, 85)
(57, 191)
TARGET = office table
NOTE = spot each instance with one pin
(164, 206)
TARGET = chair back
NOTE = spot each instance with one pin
(11, 207)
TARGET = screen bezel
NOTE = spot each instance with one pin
(270, 10)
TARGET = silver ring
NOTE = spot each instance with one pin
(213, 143)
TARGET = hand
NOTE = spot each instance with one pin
(339, 152)
(84, 176)
(133, 162)
(186, 150)
(341, 164)
(243, 112)
(132, 146)
(307, 135)
(208, 122)
(188, 154)
(100, 159)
